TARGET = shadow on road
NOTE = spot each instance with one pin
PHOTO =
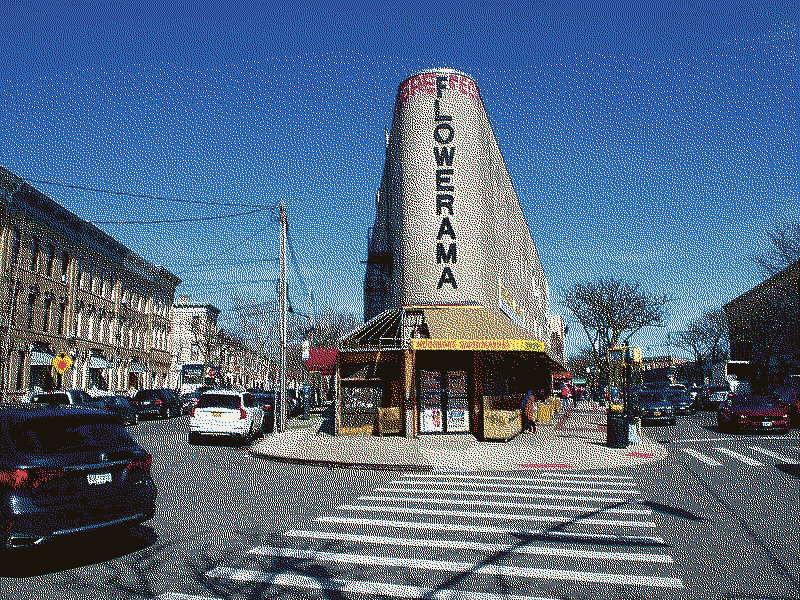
(69, 553)
(793, 470)
(671, 510)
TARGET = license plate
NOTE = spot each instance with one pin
(216, 414)
(98, 478)
(656, 413)
(766, 423)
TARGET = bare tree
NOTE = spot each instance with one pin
(611, 311)
(707, 339)
(784, 249)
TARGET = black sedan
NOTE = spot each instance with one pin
(118, 405)
(654, 405)
(65, 471)
(684, 403)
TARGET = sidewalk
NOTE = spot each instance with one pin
(574, 439)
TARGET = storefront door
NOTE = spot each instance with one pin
(443, 401)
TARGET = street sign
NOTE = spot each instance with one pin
(62, 363)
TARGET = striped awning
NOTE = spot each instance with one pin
(97, 362)
(41, 359)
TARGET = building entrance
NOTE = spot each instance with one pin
(443, 401)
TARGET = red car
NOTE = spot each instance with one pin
(789, 394)
(752, 412)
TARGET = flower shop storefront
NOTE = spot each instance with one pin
(438, 370)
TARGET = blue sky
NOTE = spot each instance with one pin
(653, 147)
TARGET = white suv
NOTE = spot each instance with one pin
(225, 413)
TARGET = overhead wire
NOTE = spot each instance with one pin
(149, 197)
(186, 220)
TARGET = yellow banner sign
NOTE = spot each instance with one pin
(62, 362)
(498, 345)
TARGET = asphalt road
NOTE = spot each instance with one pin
(703, 523)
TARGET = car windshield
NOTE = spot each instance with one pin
(51, 398)
(754, 401)
(146, 395)
(218, 401)
(651, 398)
(69, 433)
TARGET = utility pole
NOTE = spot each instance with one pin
(284, 321)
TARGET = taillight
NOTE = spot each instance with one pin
(141, 463)
(28, 479)
(242, 413)
(191, 410)
(157, 400)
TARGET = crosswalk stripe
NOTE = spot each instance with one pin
(780, 457)
(565, 508)
(482, 547)
(511, 478)
(485, 515)
(349, 586)
(503, 493)
(177, 596)
(527, 487)
(470, 568)
(702, 457)
(741, 457)
(453, 527)
(586, 475)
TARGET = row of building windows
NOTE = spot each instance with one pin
(98, 286)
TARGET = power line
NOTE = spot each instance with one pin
(187, 220)
(222, 265)
(148, 197)
(295, 266)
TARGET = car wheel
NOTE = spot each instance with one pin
(672, 422)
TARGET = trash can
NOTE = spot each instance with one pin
(616, 431)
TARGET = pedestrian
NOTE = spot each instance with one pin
(565, 395)
(531, 411)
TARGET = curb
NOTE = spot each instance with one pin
(335, 464)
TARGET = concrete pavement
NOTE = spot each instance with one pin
(573, 440)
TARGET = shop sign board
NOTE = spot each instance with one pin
(432, 420)
(457, 420)
(496, 345)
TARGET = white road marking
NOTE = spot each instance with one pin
(543, 477)
(482, 547)
(452, 527)
(525, 487)
(720, 439)
(348, 586)
(467, 567)
(587, 475)
(485, 515)
(502, 493)
(176, 596)
(780, 457)
(608, 509)
(703, 457)
(741, 457)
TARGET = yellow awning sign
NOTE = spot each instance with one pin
(494, 345)
(62, 362)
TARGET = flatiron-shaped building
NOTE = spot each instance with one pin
(455, 297)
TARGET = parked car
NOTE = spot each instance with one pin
(654, 405)
(715, 397)
(225, 413)
(266, 399)
(683, 402)
(789, 394)
(748, 412)
(161, 402)
(63, 398)
(118, 405)
(67, 470)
